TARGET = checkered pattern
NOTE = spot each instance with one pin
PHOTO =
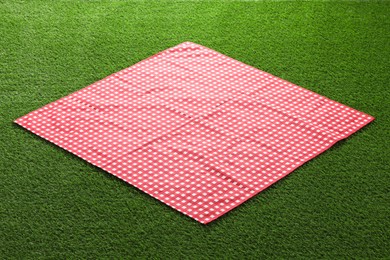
(195, 129)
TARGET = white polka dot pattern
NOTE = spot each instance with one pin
(194, 128)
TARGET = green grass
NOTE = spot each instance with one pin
(55, 205)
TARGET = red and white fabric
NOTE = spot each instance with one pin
(195, 129)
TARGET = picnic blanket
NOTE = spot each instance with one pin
(195, 129)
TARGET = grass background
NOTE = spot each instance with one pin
(54, 205)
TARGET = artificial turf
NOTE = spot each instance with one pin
(55, 205)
